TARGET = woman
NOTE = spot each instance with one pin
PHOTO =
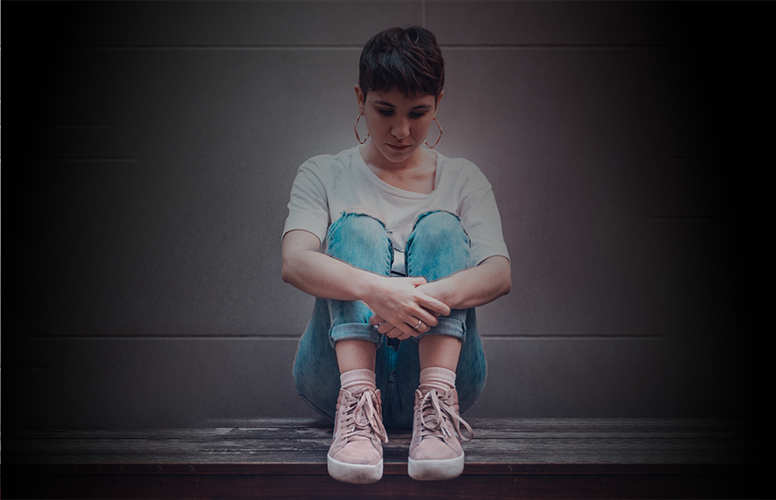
(399, 244)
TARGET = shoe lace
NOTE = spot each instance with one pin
(362, 421)
(437, 411)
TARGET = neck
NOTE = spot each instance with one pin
(415, 174)
(376, 160)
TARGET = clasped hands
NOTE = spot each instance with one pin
(405, 307)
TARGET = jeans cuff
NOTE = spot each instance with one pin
(452, 327)
(355, 331)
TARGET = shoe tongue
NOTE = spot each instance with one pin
(425, 389)
(357, 390)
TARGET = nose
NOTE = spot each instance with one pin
(401, 128)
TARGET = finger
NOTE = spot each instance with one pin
(406, 329)
(397, 334)
(385, 328)
(421, 328)
(419, 331)
(394, 333)
(424, 315)
(415, 324)
(376, 320)
(436, 307)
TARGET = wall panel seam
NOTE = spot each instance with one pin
(296, 338)
(359, 48)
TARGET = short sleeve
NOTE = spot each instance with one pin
(308, 206)
(481, 219)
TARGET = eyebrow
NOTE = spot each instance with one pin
(384, 103)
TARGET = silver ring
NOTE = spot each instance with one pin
(378, 325)
(420, 322)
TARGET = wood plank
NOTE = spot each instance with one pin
(516, 451)
(285, 458)
(318, 468)
(515, 441)
(482, 487)
(484, 427)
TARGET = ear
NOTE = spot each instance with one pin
(360, 98)
(437, 101)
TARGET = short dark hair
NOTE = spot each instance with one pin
(408, 59)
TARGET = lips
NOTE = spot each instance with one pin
(398, 147)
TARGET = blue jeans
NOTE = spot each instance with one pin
(437, 247)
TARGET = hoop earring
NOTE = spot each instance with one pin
(438, 138)
(355, 129)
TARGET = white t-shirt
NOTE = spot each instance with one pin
(327, 185)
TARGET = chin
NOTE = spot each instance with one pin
(394, 155)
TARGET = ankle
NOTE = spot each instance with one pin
(438, 378)
(356, 381)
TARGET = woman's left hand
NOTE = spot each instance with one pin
(469, 288)
(391, 331)
(419, 328)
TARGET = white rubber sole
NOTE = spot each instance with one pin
(354, 473)
(435, 470)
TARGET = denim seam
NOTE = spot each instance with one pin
(392, 357)
(315, 407)
(370, 333)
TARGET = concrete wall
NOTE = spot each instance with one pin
(156, 144)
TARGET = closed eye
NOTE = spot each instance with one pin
(389, 112)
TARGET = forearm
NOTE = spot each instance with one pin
(475, 286)
(325, 277)
(319, 274)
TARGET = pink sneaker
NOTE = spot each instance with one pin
(356, 451)
(435, 451)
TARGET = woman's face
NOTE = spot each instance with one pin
(397, 124)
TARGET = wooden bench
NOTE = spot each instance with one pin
(286, 458)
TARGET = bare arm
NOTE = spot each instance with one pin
(399, 300)
(475, 286)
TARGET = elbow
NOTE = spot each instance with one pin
(507, 286)
(285, 273)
